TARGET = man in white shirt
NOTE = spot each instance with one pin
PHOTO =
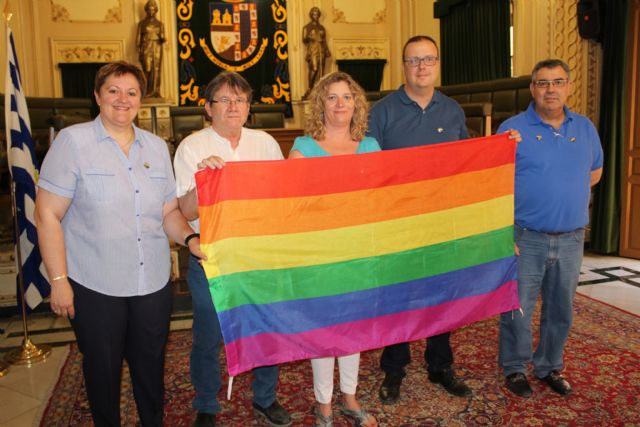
(228, 97)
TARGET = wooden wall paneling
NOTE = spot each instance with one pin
(630, 216)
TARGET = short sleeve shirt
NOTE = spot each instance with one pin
(553, 169)
(397, 121)
(114, 240)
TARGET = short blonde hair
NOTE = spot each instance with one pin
(315, 120)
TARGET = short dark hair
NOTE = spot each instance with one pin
(420, 38)
(550, 63)
(235, 82)
(119, 68)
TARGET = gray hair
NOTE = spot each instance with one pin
(550, 63)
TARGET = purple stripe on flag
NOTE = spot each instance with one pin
(353, 337)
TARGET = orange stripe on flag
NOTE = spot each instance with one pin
(241, 218)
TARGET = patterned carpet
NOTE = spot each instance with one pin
(603, 365)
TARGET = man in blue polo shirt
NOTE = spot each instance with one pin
(417, 114)
(557, 163)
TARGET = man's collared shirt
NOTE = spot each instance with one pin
(553, 170)
(397, 121)
(254, 145)
(113, 235)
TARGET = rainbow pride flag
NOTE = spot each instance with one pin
(335, 255)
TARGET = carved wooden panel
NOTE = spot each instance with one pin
(630, 220)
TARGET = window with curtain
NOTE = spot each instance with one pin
(474, 39)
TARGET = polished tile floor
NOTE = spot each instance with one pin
(24, 391)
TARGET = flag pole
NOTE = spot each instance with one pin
(28, 354)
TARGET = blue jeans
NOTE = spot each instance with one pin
(207, 339)
(550, 266)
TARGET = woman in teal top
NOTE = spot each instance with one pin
(336, 126)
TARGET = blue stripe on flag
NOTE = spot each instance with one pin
(296, 316)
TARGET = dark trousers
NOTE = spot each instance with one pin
(109, 329)
(438, 355)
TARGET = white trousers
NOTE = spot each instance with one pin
(323, 376)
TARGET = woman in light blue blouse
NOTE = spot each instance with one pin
(335, 126)
(105, 206)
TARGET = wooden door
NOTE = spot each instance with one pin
(630, 221)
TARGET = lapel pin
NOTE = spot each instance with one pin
(146, 165)
(572, 139)
(539, 137)
(440, 130)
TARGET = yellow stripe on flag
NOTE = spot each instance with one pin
(360, 241)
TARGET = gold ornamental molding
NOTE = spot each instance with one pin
(65, 51)
(361, 49)
(59, 13)
(350, 12)
(103, 11)
(338, 15)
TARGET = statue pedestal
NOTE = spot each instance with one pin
(154, 116)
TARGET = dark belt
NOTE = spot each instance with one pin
(558, 233)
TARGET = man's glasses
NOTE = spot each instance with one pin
(228, 101)
(333, 98)
(414, 61)
(544, 84)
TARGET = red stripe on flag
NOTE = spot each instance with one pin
(337, 174)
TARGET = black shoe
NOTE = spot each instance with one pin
(557, 383)
(390, 388)
(274, 415)
(205, 420)
(448, 380)
(518, 384)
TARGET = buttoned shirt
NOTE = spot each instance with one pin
(397, 121)
(553, 170)
(113, 235)
(253, 145)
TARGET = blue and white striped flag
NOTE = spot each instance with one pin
(24, 173)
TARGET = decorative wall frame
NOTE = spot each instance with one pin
(82, 50)
(351, 12)
(104, 11)
(361, 48)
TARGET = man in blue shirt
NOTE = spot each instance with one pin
(557, 163)
(417, 114)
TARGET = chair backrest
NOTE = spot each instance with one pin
(478, 118)
(186, 120)
(266, 116)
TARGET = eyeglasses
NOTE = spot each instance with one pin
(228, 101)
(544, 84)
(414, 61)
(333, 98)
